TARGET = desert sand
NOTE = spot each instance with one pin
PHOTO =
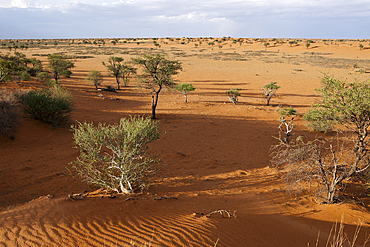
(214, 155)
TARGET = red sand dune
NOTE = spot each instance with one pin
(214, 155)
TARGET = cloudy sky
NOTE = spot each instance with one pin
(184, 18)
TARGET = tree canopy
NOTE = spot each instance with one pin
(125, 72)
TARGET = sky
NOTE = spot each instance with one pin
(46, 19)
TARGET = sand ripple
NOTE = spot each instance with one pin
(91, 223)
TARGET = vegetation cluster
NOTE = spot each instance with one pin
(322, 164)
(52, 105)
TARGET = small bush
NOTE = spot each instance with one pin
(9, 114)
(51, 106)
(233, 95)
(286, 126)
(43, 77)
(51, 83)
(115, 157)
(8, 78)
(31, 71)
(361, 70)
(24, 76)
(184, 89)
(95, 77)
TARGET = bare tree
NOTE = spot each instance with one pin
(286, 123)
(318, 166)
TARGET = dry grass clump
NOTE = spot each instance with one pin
(338, 238)
(9, 114)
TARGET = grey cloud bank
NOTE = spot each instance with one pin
(165, 18)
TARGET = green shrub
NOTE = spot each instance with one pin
(43, 77)
(115, 157)
(24, 76)
(318, 121)
(9, 114)
(51, 106)
(31, 71)
(8, 78)
(95, 77)
(51, 83)
(329, 162)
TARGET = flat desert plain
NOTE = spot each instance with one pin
(214, 155)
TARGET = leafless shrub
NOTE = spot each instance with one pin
(319, 166)
(286, 126)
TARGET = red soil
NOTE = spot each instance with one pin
(214, 155)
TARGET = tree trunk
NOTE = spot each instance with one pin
(153, 108)
(268, 96)
(330, 194)
(154, 104)
(117, 83)
(186, 98)
(155, 101)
